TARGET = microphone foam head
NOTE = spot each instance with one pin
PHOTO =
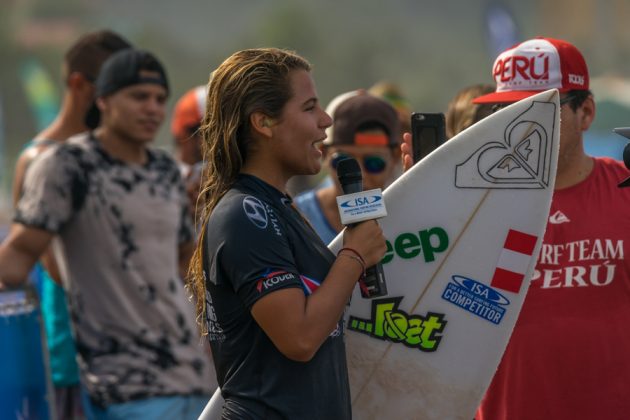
(348, 171)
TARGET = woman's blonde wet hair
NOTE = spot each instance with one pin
(462, 112)
(253, 80)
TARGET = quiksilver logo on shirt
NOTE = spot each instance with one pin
(558, 217)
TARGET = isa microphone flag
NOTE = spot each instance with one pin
(513, 261)
(361, 206)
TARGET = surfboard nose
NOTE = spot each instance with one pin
(550, 95)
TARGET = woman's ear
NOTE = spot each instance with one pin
(261, 124)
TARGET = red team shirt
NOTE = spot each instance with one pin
(569, 354)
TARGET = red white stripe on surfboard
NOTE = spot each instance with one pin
(513, 261)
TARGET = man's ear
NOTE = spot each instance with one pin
(261, 124)
(587, 114)
(101, 103)
(396, 152)
(78, 82)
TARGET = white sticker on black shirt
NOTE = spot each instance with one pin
(255, 212)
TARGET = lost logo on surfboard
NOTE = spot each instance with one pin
(390, 323)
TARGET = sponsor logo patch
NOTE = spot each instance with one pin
(558, 217)
(273, 219)
(364, 205)
(273, 278)
(255, 212)
(426, 243)
(576, 79)
(476, 298)
(215, 331)
(361, 201)
(389, 323)
(521, 160)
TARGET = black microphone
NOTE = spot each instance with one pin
(625, 131)
(626, 161)
(349, 174)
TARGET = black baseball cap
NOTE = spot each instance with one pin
(356, 109)
(123, 69)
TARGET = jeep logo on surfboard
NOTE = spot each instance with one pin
(409, 245)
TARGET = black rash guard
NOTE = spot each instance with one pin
(258, 243)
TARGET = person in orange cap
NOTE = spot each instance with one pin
(185, 124)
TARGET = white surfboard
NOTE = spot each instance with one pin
(464, 227)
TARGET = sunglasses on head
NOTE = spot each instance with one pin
(372, 164)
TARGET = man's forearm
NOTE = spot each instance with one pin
(14, 266)
(19, 252)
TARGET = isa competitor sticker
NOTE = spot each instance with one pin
(361, 206)
(476, 298)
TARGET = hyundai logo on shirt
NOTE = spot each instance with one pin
(255, 211)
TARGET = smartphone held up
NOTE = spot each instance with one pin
(428, 132)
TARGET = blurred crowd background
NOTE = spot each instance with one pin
(429, 49)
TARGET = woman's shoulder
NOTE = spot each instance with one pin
(242, 220)
(239, 209)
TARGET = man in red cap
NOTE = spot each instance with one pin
(567, 357)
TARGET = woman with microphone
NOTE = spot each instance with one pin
(270, 294)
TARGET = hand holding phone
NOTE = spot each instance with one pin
(428, 132)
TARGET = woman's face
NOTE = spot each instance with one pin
(301, 126)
